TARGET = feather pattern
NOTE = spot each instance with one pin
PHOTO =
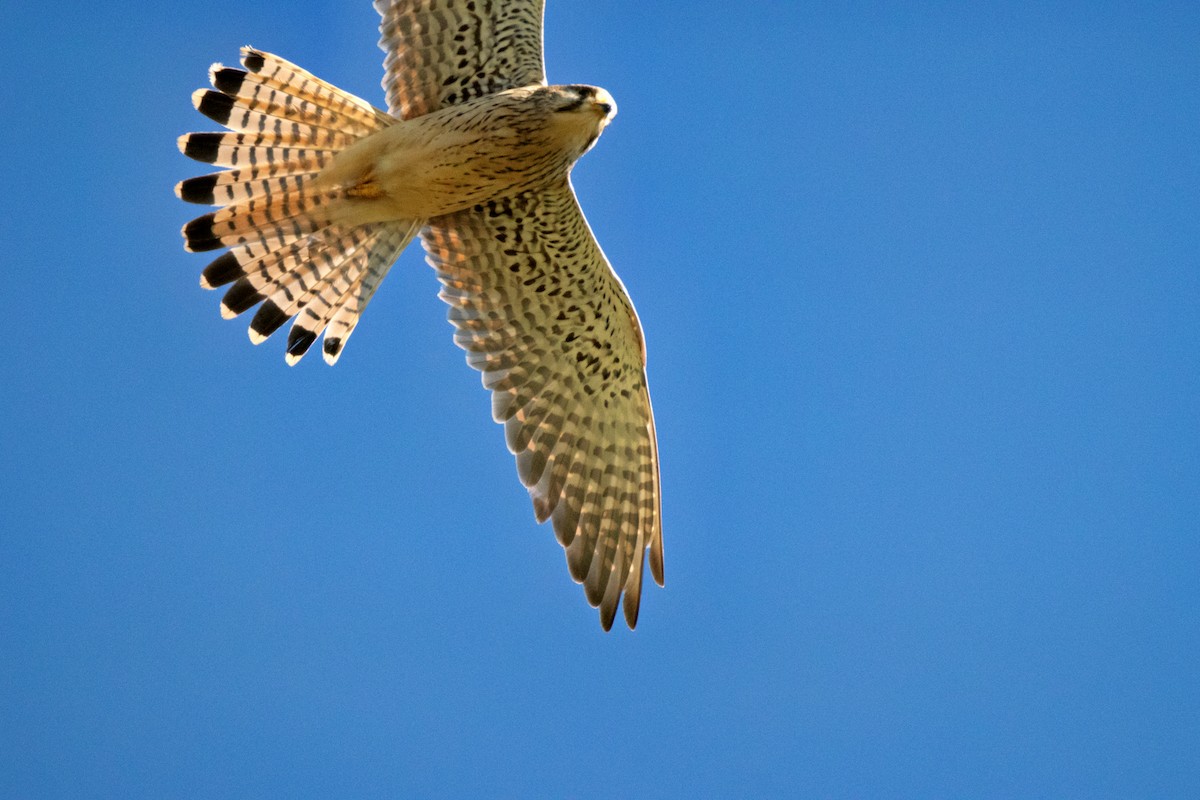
(444, 52)
(288, 252)
(546, 321)
(318, 193)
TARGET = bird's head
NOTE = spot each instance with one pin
(581, 110)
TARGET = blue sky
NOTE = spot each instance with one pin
(922, 300)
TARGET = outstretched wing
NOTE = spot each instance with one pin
(442, 52)
(545, 319)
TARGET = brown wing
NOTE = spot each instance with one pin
(442, 52)
(545, 319)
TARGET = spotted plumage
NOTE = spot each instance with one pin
(318, 192)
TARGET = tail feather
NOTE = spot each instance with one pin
(289, 250)
(250, 149)
(239, 185)
(340, 300)
(253, 95)
(272, 71)
(256, 117)
(286, 290)
(260, 265)
(323, 302)
(279, 220)
(347, 314)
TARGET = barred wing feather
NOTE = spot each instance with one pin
(443, 52)
(542, 315)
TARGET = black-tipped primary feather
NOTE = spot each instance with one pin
(228, 80)
(299, 340)
(254, 150)
(268, 319)
(198, 190)
(199, 234)
(224, 269)
(271, 220)
(217, 106)
(202, 146)
(240, 297)
(253, 59)
(238, 186)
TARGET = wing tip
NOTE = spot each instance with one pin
(631, 605)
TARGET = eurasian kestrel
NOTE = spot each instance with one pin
(320, 192)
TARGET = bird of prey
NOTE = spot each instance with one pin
(319, 192)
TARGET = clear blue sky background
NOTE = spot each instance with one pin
(922, 294)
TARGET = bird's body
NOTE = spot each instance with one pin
(320, 192)
(497, 145)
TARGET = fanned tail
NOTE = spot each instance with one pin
(287, 249)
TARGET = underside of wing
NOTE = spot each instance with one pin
(443, 52)
(542, 315)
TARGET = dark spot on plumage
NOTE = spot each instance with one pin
(199, 234)
(229, 80)
(223, 270)
(216, 106)
(299, 340)
(198, 190)
(253, 60)
(203, 146)
(268, 319)
(241, 296)
(332, 346)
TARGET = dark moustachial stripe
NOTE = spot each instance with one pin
(241, 296)
(203, 146)
(268, 319)
(198, 190)
(228, 80)
(216, 106)
(223, 270)
(299, 340)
